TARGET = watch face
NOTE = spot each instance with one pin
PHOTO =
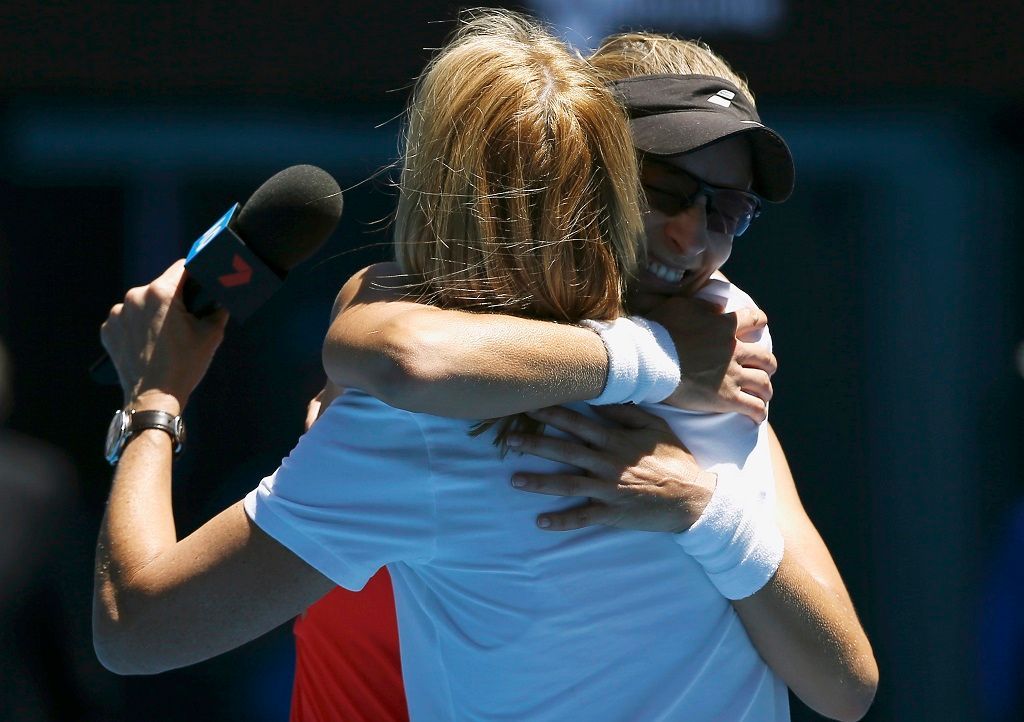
(115, 436)
(178, 427)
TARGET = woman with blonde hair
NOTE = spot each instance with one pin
(519, 192)
(708, 167)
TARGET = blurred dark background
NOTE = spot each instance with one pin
(890, 278)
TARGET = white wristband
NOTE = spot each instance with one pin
(737, 539)
(643, 366)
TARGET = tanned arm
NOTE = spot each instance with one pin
(452, 363)
(471, 365)
(160, 603)
(803, 622)
(638, 475)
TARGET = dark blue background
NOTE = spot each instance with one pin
(890, 278)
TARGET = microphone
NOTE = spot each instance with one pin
(245, 256)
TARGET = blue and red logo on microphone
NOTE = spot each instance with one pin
(229, 273)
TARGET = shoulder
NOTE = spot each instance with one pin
(379, 282)
(356, 492)
(358, 420)
(358, 450)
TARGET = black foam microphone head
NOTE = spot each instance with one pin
(290, 216)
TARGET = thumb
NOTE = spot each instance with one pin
(173, 277)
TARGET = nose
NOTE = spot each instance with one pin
(687, 231)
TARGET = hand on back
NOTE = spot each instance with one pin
(635, 471)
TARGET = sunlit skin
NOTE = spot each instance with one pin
(682, 242)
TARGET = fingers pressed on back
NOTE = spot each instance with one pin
(577, 518)
(752, 407)
(564, 451)
(712, 306)
(563, 485)
(749, 319)
(757, 383)
(751, 355)
(572, 422)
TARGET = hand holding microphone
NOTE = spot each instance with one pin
(233, 268)
(161, 351)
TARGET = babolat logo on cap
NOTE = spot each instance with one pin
(723, 97)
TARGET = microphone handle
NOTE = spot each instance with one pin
(197, 301)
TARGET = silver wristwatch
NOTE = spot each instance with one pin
(128, 422)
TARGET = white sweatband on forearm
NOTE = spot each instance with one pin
(736, 539)
(643, 366)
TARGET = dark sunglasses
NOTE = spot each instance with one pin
(729, 210)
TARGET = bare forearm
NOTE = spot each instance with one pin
(159, 603)
(467, 365)
(452, 363)
(144, 617)
(810, 636)
(803, 622)
(139, 520)
(137, 528)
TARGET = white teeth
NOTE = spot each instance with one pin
(665, 273)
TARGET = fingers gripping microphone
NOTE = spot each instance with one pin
(245, 256)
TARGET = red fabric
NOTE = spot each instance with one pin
(347, 666)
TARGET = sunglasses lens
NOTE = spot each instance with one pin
(732, 211)
(662, 202)
(673, 190)
(670, 196)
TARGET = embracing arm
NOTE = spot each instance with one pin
(453, 363)
(472, 365)
(639, 476)
(802, 621)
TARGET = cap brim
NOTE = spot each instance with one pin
(672, 134)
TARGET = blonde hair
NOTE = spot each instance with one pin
(628, 55)
(519, 189)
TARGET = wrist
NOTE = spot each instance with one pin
(152, 437)
(736, 539)
(134, 422)
(643, 366)
(704, 483)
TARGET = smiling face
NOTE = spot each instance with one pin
(681, 252)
